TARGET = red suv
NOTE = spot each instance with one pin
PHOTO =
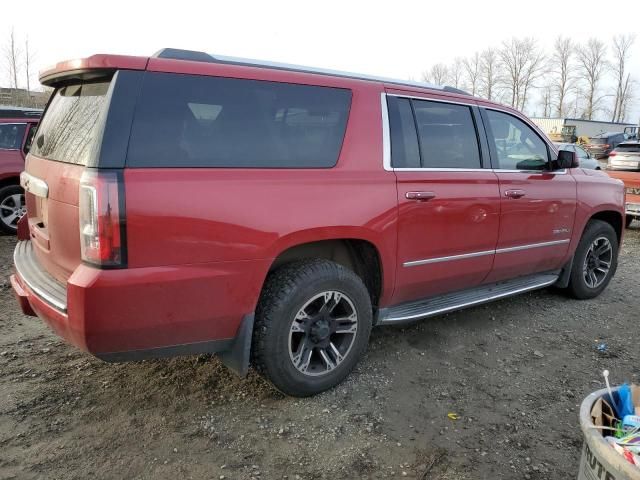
(188, 204)
(17, 127)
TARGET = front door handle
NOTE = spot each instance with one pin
(420, 196)
(514, 193)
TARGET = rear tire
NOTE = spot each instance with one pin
(595, 260)
(312, 326)
(12, 207)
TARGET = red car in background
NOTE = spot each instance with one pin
(17, 127)
(186, 203)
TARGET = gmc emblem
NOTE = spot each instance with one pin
(633, 191)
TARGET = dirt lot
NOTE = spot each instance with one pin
(514, 371)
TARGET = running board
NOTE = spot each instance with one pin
(467, 298)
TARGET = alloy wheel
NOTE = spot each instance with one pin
(322, 333)
(597, 262)
(12, 208)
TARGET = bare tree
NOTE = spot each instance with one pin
(592, 64)
(523, 63)
(490, 71)
(456, 72)
(546, 99)
(621, 50)
(472, 69)
(28, 61)
(563, 70)
(12, 59)
(438, 74)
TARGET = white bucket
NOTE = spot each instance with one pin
(599, 461)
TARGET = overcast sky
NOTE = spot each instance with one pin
(393, 38)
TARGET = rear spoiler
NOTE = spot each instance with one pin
(95, 66)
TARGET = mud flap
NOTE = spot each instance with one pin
(565, 275)
(237, 357)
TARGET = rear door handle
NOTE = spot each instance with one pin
(420, 196)
(514, 193)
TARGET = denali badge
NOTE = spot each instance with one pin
(558, 231)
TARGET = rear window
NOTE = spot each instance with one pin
(11, 135)
(628, 148)
(198, 121)
(71, 129)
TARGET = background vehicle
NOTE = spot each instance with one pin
(306, 207)
(601, 145)
(570, 130)
(17, 127)
(584, 158)
(626, 156)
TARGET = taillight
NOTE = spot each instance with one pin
(101, 204)
(613, 154)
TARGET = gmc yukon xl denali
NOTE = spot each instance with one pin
(273, 214)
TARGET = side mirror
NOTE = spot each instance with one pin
(566, 159)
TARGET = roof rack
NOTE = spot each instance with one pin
(195, 56)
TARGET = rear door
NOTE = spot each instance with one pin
(448, 203)
(537, 205)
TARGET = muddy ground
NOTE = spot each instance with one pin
(514, 371)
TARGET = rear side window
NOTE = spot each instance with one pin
(11, 135)
(405, 152)
(447, 135)
(199, 121)
(71, 129)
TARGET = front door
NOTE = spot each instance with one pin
(448, 204)
(537, 205)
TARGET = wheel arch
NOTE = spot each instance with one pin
(613, 218)
(9, 180)
(361, 255)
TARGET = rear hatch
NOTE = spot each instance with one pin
(66, 143)
(626, 156)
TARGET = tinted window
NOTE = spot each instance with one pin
(447, 135)
(27, 142)
(197, 121)
(11, 135)
(404, 139)
(71, 129)
(517, 145)
(628, 148)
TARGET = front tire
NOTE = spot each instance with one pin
(627, 221)
(312, 326)
(12, 207)
(595, 260)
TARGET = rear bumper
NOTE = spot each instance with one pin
(131, 314)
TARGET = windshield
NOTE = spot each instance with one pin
(71, 127)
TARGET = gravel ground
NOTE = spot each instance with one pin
(514, 372)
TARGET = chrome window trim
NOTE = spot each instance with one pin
(386, 134)
(439, 100)
(415, 263)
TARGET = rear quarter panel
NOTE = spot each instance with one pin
(190, 216)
